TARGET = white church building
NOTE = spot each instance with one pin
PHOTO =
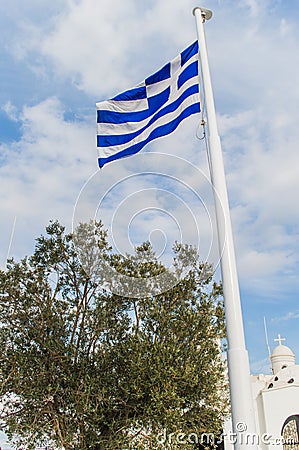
(276, 404)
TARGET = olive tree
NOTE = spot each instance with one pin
(87, 364)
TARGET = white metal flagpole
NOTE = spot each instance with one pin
(238, 364)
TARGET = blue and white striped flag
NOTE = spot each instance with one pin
(152, 109)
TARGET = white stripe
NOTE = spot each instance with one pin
(175, 65)
(130, 127)
(157, 88)
(123, 105)
(105, 152)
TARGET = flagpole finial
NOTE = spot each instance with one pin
(206, 13)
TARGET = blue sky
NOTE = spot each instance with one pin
(57, 59)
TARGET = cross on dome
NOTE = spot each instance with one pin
(279, 339)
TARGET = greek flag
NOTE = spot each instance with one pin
(154, 108)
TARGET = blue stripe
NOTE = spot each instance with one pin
(111, 139)
(189, 52)
(163, 130)
(132, 94)
(160, 75)
(190, 72)
(154, 103)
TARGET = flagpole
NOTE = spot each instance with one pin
(238, 363)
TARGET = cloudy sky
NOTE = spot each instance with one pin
(58, 58)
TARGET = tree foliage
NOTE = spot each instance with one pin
(84, 368)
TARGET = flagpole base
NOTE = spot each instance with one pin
(206, 13)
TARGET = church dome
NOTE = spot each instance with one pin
(282, 357)
(282, 350)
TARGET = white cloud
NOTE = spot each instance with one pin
(104, 49)
(291, 315)
(91, 44)
(11, 111)
(261, 366)
(42, 173)
(3, 442)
